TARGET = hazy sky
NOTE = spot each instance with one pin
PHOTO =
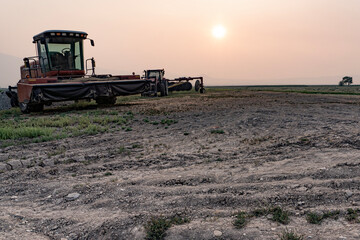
(266, 40)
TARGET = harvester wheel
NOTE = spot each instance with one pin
(197, 85)
(164, 90)
(14, 101)
(24, 107)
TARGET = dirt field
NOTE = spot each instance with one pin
(229, 151)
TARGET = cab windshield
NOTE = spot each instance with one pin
(61, 54)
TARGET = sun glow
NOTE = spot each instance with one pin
(219, 31)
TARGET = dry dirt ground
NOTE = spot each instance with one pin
(229, 151)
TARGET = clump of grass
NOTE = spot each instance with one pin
(317, 218)
(168, 121)
(128, 129)
(121, 150)
(179, 220)
(290, 235)
(314, 218)
(107, 174)
(136, 146)
(352, 215)
(240, 220)
(217, 131)
(23, 132)
(156, 228)
(186, 133)
(279, 215)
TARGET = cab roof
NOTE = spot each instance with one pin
(60, 33)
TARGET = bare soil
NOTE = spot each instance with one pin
(230, 151)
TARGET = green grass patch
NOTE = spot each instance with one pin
(279, 215)
(317, 218)
(217, 131)
(41, 127)
(168, 121)
(290, 235)
(240, 220)
(352, 215)
(157, 226)
(25, 132)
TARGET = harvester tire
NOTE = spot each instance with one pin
(24, 108)
(197, 85)
(164, 90)
(14, 101)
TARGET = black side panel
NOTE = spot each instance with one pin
(64, 92)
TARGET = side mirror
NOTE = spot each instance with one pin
(92, 42)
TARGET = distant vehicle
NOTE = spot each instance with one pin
(164, 85)
(346, 81)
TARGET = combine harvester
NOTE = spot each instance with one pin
(58, 73)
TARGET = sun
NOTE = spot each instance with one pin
(218, 31)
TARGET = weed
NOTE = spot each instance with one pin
(156, 228)
(155, 123)
(240, 220)
(332, 214)
(136, 146)
(290, 235)
(217, 131)
(314, 218)
(279, 215)
(186, 133)
(108, 174)
(128, 129)
(146, 120)
(168, 121)
(352, 215)
(121, 150)
(179, 220)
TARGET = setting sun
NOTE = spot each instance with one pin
(218, 31)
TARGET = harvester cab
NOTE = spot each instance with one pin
(60, 53)
(59, 73)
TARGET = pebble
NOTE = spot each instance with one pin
(217, 233)
(302, 189)
(72, 196)
(348, 194)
